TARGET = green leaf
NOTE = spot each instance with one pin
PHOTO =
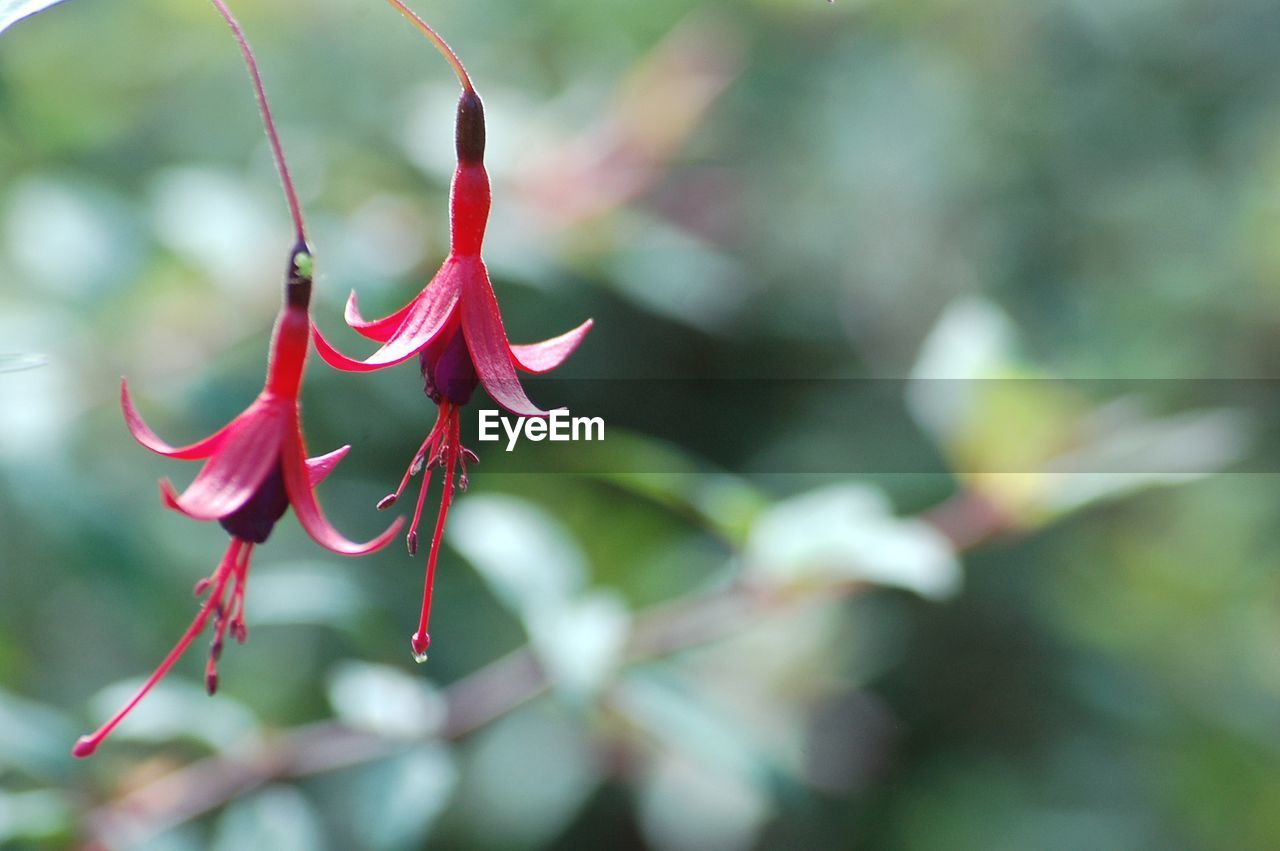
(12, 11)
(279, 817)
(848, 532)
(385, 700)
(527, 777)
(531, 563)
(397, 801)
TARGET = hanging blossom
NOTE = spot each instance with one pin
(256, 466)
(455, 328)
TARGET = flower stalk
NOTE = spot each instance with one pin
(268, 123)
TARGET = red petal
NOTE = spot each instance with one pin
(490, 352)
(549, 354)
(144, 435)
(319, 468)
(245, 457)
(379, 330)
(304, 503)
(428, 314)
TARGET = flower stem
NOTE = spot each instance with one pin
(268, 123)
(441, 45)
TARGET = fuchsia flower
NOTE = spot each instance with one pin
(256, 466)
(255, 469)
(455, 328)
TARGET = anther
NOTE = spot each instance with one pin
(387, 501)
(412, 541)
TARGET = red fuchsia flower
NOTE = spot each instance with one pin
(455, 328)
(256, 466)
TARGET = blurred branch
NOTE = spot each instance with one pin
(967, 520)
(651, 117)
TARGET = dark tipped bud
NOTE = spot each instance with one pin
(471, 457)
(412, 541)
(470, 128)
(211, 683)
(298, 277)
(387, 501)
(239, 630)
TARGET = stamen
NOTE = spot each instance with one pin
(412, 538)
(415, 467)
(421, 639)
(238, 628)
(86, 745)
(434, 447)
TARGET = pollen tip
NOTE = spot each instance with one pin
(412, 541)
(420, 642)
(387, 501)
(85, 747)
(211, 683)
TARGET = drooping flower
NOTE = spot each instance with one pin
(255, 468)
(455, 328)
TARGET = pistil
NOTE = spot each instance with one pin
(234, 565)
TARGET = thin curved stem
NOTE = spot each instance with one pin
(268, 123)
(441, 45)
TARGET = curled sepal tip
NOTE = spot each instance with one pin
(311, 517)
(143, 434)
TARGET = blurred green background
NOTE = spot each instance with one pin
(1039, 620)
